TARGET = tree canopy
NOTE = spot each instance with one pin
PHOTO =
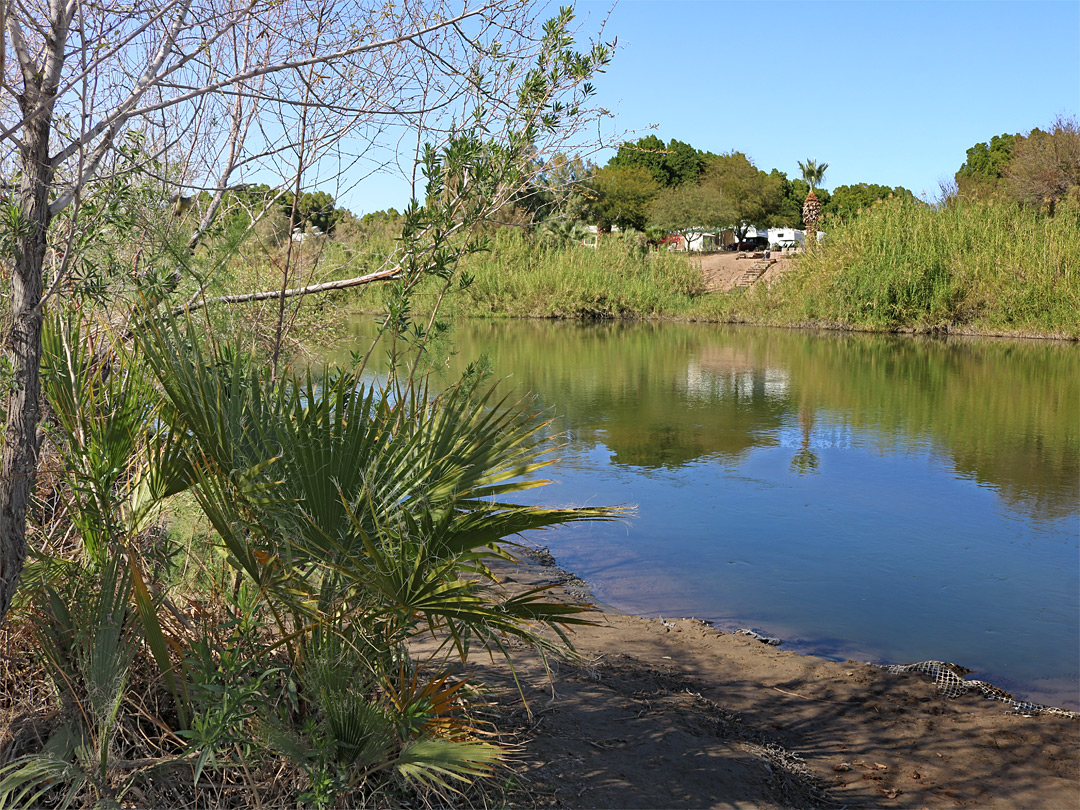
(671, 165)
(812, 172)
(752, 195)
(620, 196)
(848, 201)
(694, 205)
(1045, 167)
(985, 166)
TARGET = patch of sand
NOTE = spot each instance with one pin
(676, 714)
(723, 270)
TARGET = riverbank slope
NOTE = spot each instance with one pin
(902, 266)
(675, 714)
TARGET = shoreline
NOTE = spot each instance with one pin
(739, 723)
(953, 331)
(580, 589)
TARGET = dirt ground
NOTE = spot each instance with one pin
(722, 270)
(675, 714)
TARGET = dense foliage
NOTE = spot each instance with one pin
(849, 201)
(1039, 168)
(675, 164)
(995, 267)
(269, 656)
(674, 187)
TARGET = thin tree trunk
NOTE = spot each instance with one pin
(23, 350)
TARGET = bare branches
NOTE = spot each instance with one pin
(311, 289)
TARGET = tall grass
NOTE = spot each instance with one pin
(980, 267)
(983, 267)
(519, 277)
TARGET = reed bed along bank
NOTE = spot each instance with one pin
(984, 267)
(522, 277)
(972, 267)
(519, 276)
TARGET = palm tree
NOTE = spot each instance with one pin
(560, 232)
(812, 173)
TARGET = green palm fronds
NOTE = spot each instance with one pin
(812, 172)
(363, 516)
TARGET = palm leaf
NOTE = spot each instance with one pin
(428, 760)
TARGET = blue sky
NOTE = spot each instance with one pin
(885, 92)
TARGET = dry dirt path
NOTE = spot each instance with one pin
(723, 270)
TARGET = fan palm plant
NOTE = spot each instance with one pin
(559, 232)
(813, 173)
(355, 516)
(366, 516)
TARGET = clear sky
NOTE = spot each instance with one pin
(885, 92)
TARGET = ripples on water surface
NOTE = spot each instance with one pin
(892, 499)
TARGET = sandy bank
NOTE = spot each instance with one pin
(676, 714)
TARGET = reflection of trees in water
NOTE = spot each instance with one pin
(1006, 412)
(805, 460)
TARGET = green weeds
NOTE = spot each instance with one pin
(991, 267)
(348, 519)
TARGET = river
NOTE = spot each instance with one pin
(883, 498)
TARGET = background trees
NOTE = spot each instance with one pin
(982, 172)
(674, 186)
(751, 195)
(620, 196)
(847, 201)
(672, 165)
(695, 205)
(1037, 168)
(1044, 168)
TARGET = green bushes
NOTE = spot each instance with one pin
(983, 267)
(619, 278)
(349, 518)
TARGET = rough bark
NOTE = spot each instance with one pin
(23, 350)
(811, 213)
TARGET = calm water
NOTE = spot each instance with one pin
(879, 498)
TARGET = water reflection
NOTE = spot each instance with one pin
(882, 497)
(1007, 413)
(806, 460)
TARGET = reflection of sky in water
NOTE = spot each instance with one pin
(881, 556)
(858, 496)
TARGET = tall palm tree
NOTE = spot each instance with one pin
(812, 173)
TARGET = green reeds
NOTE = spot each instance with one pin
(988, 267)
(618, 278)
(991, 267)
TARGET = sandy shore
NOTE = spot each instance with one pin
(676, 714)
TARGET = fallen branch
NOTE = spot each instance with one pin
(326, 286)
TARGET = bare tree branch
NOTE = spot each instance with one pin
(267, 295)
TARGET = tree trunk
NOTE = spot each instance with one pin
(23, 350)
(811, 212)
